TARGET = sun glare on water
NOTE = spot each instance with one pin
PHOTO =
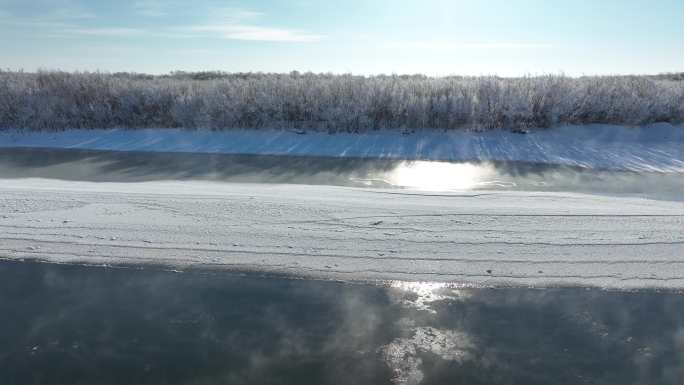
(439, 176)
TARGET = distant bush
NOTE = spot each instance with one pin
(677, 76)
(217, 100)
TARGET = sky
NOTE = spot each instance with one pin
(432, 37)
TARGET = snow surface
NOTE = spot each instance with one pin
(472, 238)
(658, 147)
(483, 238)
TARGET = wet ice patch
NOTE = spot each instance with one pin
(421, 295)
(402, 354)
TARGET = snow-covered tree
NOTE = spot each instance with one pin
(53, 100)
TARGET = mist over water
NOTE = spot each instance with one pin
(112, 166)
(76, 324)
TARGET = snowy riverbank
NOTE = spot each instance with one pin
(658, 147)
(484, 238)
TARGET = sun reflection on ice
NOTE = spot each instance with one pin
(420, 295)
(439, 176)
(402, 355)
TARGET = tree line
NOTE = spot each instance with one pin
(54, 100)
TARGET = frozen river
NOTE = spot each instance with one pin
(183, 268)
(478, 224)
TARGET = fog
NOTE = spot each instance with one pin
(113, 166)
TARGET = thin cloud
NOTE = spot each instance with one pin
(35, 24)
(70, 14)
(234, 15)
(157, 8)
(228, 32)
(105, 32)
(223, 23)
(67, 12)
(233, 23)
(441, 45)
(152, 8)
(257, 33)
(64, 10)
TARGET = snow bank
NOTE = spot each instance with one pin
(658, 147)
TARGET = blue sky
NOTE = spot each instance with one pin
(434, 37)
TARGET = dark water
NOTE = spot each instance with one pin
(92, 325)
(112, 166)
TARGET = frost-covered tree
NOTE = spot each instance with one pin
(52, 100)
